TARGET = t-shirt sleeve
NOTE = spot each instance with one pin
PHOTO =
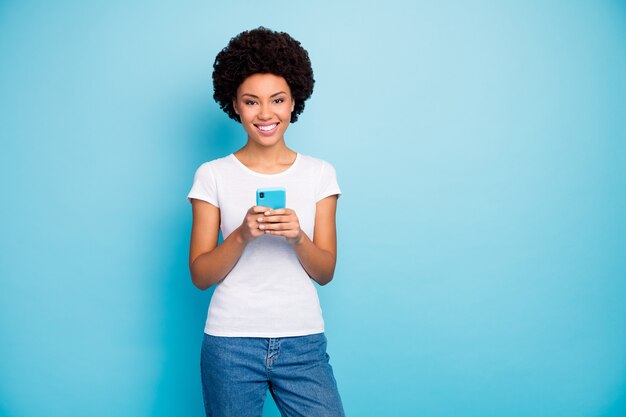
(328, 182)
(204, 186)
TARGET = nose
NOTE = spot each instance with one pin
(264, 112)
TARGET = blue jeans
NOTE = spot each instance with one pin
(237, 371)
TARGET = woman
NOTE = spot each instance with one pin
(264, 327)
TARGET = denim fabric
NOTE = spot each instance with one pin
(237, 372)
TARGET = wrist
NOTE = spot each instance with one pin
(239, 237)
(298, 240)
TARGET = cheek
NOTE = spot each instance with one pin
(287, 113)
(245, 114)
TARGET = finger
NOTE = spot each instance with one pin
(258, 209)
(279, 226)
(285, 233)
(270, 212)
(271, 226)
(277, 219)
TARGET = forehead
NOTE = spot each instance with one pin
(263, 85)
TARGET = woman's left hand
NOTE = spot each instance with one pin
(281, 222)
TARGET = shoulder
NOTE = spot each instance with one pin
(209, 168)
(317, 164)
(323, 176)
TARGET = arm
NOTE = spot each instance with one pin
(208, 261)
(318, 257)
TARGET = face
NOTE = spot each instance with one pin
(264, 105)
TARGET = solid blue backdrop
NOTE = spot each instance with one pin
(480, 147)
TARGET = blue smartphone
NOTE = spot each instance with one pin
(273, 198)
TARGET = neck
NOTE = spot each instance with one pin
(278, 153)
(265, 159)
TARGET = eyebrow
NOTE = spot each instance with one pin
(273, 95)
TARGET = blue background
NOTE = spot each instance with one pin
(481, 150)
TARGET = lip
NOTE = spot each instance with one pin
(266, 132)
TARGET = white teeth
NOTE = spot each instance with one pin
(267, 128)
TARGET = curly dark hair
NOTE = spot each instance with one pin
(262, 50)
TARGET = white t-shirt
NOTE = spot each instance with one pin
(267, 293)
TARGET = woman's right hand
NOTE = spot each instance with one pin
(249, 229)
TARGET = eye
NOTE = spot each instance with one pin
(279, 100)
(249, 102)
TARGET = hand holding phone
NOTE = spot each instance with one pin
(281, 221)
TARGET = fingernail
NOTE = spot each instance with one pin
(267, 213)
(262, 227)
(260, 219)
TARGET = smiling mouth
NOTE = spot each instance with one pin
(267, 128)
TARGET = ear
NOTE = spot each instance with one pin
(293, 104)
(235, 106)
